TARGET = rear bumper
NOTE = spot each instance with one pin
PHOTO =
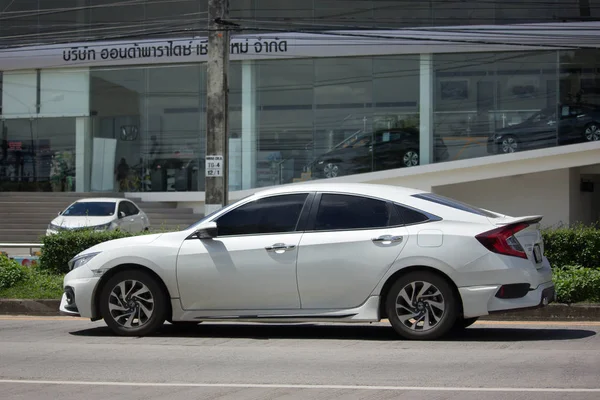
(481, 300)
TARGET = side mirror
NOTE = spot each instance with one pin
(208, 231)
(121, 214)
(59, 213)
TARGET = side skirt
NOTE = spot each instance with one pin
(367, 312)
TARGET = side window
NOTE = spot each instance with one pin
(407, 216)
(340, 211)
(133, 210)
(122, 209)
(276, 214)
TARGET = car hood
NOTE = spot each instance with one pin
(81, 222)
(123, 242)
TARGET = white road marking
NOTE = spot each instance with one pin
(292, 386)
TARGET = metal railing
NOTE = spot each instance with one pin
(29, 246)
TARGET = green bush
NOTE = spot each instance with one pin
(11, 272)
(576, 284)
(35, 284)
(58, 249)
(577, 245)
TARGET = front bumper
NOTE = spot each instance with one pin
(79, 287)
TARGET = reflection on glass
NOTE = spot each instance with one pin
(37, 155)
(149, 125)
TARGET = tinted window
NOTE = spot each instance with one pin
(269, 215)
(337, 211)
(90, 209)
(407, 216)
(436, 198)
(131, 208)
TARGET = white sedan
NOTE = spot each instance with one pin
(319, 252)
(100, 214)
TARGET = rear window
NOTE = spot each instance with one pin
(436, 198)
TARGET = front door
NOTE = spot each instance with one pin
(348, 246)
(251, 264)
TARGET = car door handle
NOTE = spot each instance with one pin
(387, 238)
(280, 247)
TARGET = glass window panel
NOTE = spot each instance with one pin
(285, 119)
(276, 214)
(340, 212)
(38, 154)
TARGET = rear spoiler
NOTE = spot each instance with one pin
(531, 220)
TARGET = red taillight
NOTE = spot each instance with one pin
(502, 241)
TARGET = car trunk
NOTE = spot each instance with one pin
(530, 238)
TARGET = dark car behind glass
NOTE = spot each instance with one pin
(576, 123)
(381, 150)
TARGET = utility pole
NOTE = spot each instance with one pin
(217, 67)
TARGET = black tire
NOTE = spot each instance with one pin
(463, 323)
(508, 143)
(146, 326)
(409, 157)
(594, 132)
(332, 169)
(444, 319)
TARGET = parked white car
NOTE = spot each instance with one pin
(319, 252)
(102, 214)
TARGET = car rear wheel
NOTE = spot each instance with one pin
(421, 305)
(592, 132)
(133, 304)
(410, 158)
(332, 170)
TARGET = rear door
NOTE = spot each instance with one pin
(349, 244)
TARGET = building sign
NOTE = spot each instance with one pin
(214, 166)
(452, 39)
(178, 49)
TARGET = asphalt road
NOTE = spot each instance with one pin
(68, 358)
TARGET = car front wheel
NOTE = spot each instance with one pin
(133, 304)
(421, 306)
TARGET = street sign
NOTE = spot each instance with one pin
(214, 166)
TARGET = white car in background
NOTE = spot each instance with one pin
(319, 252)
(101, 214)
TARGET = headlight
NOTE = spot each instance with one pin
(78, 261)
(54, 227)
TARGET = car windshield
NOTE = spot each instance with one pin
(91, 209)
(359, 141)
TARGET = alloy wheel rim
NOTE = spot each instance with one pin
(592, 133)
(509, 145)
(411, 159)
(420, 306)
(331, 170)
(131, 304)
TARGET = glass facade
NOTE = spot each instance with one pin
(142, 128)
(55, 21)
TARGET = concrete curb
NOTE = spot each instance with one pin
(553, 312)
(29, 307)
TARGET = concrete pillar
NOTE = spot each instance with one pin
(83, 154)
(249, 124)
(426, 104)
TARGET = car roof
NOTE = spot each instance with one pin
(100, 200)
(387, 191)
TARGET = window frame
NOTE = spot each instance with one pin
(392, 211)
(300, 223)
